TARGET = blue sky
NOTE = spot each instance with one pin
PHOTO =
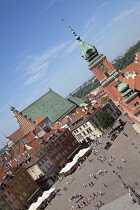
(38, 51)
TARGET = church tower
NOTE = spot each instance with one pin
(97, 63)
(122, 87)
(25, 124)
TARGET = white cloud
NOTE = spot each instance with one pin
(52, 2)
(73, 46)
(126, 13)
(102, 5)
(33, 79)
(89, 23)
(34, 66)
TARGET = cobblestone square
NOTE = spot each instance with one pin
(126, 153)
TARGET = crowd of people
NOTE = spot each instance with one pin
(95, 199)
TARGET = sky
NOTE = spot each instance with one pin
(38, 51)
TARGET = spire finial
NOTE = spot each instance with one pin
(11, 107)
(117, 80)
(73, 32)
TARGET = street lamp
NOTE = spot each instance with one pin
(130, 189)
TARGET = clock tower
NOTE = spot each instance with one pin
(97, 63)
(123, 88)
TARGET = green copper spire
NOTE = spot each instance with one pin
(89, 52)
(117, 80)
(73, 32)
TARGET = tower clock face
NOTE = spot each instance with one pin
(102, 68)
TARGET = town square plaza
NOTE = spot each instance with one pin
(101, 169)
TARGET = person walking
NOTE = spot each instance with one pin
(125, 134)
(105, 185)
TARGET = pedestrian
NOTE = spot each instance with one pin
(80, 196)
(114, 172)
(123, 160)
(105, 171)
(105, 185)
(94, 194)
(84, 203)
(79, 207)
(91, 175)
(120, 167)
(109, 164)
(125, 134)
(83, 185)
(91, 183)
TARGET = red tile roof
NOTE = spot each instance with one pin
(39, 119)
(56, 125)
(133, 83)
(17, 135)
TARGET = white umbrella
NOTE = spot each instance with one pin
(75, 159)
(45, 195)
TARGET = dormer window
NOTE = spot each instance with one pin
(106, 74)
(136, 104)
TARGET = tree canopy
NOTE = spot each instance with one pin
(128, 58)
(87, 89)
(105, 120)
(104, 99)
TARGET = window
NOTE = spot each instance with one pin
(89, 130)
(23, 175)
(15, 182)
(28, 180)
(25, 184)
(19, 188)
(84, 133)
(16, 192)
(8, 191)
(13, 197)
(5, 196)
(136, 104)
(18, 203)
(29, 190)
(66, 151)
(9, 202)
(106, 74)
(69, 147)
(24, 194)
(20, 178)
(21, 198)
(79, 136)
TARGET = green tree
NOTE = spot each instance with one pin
(128, 58)
(105, 120)
(87, 89)
(104, 99)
